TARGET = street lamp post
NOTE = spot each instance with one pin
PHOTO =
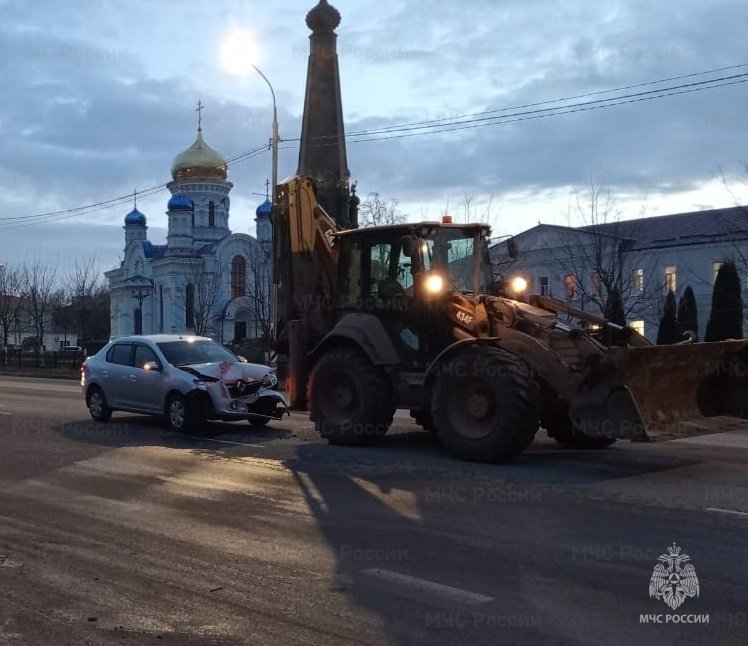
(237, 52)
(275, 139)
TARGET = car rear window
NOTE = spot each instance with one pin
(120, 353)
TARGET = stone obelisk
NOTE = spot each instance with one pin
(322, 153)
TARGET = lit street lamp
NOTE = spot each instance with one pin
(238, 50)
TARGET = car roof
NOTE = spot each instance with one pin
(159, 338)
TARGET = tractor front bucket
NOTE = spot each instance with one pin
(663, 392)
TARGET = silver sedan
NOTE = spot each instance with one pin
(187, 379)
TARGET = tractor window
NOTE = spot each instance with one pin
(390, 271)
(453, 253)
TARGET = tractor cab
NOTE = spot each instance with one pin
(410, 266)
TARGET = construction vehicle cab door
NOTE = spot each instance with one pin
(376, 276)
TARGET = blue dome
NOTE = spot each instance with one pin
(179, 202)
(265, 210)
(135, 217)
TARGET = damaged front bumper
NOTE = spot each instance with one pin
(228, 402)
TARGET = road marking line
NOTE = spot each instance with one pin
(210, 439)
(4, 413)
(438, 589)
(727, 511)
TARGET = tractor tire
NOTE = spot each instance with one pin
(424, 420)
(485, 405)
(558, 425)
(350, 399)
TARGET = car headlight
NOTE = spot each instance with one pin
(269, 380)
(201, 385)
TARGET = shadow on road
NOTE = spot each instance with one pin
(146, 430)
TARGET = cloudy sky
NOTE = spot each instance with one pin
(527, 102)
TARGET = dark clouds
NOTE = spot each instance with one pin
(96, 102)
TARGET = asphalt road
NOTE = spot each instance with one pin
(128, 533)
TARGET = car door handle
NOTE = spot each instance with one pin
(133, 378)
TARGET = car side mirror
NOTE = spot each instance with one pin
(152, 366)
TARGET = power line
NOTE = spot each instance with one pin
(468, 121)
(20, 221)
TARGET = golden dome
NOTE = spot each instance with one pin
(199, 161)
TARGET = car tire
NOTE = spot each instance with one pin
(258, 421)
(97, 406)
(180, 414)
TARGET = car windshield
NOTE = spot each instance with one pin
(185, 353)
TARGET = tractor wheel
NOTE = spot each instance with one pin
(424, 420)
(350, 399)
(556, 421)
(485, 404)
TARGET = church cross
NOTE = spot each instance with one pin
(199, 111)
(267, 189)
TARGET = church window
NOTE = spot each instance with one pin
(189, 319)
(161, 307)
(211, 214)
(238, 277)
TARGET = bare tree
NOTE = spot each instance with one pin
(10, 300)
(258, 290)
(377, 211)
(37, 280)
(201, 295)
(84, 280)
(591, 256)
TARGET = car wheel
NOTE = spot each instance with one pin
(180, 415)
(97, 406)
(258, 421)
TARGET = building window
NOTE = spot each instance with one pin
(717, 266)
(189, 307)
(211, 214)
(544, 291)
(238, 277)
(595, 283)
(670, 279)
(571, 286)
(161, 308)
(638, 281)
(138, 316)
(638, 326)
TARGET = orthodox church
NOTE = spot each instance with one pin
(205, 280)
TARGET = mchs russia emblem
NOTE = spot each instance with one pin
(674, 579)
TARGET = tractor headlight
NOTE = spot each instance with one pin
(200, 385)
(434, 284)
(269, 380)
(519, 285)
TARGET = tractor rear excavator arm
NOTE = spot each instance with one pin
(304, 277)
